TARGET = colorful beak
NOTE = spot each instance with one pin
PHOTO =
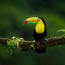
(31, 20)
(28, 22)
(25, 22)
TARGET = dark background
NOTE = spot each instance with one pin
(12, 16)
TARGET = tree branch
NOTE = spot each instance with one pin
(30, 45)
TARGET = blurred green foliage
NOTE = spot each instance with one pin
(12, 15)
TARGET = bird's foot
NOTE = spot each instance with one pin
(46, 39)
(34, 40)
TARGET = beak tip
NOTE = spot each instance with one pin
(25, 22)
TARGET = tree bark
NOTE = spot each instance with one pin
(27, 45)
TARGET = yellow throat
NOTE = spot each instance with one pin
(40, 26)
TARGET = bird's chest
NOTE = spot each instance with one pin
(40, 27)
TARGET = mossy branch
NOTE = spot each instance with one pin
(30, 45)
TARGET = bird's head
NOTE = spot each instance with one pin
(40, 26)
(31, 20)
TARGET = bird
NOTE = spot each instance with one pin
(40, 31)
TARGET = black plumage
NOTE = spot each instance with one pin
(39, 37)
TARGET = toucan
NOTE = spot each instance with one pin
(40, 31)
